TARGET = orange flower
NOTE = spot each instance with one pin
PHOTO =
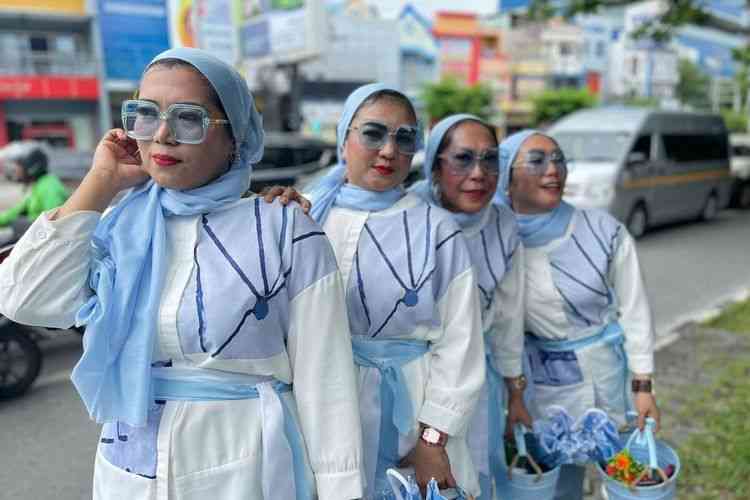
(622, 462)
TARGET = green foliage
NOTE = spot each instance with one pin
(694, 86)
(736, 318)
(741, 56)
(448, 97)
(736, 122)
(553, 104)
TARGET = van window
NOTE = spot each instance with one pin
(593, 146)
(687, 147)
(643, 145)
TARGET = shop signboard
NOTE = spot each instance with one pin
(279, 31)
(205, 24)
(45, 6)
(22, 88)
(133, 32)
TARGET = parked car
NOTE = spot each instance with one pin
(645, 166)
(288, 157)
(740, 162)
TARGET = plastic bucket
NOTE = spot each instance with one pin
(647, 450)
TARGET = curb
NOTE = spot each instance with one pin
(673, 331)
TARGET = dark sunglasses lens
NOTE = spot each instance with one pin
(406, 140)
(373, 134)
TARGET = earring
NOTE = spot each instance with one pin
(437, 193)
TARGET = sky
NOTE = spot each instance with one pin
(391, 8)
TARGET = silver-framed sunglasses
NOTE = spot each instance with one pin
(374, 135)
(188, 123)
(536, 161)
(462, 162)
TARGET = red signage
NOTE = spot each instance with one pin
(78, 88)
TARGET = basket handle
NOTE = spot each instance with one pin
(518, 432)
(646, 438)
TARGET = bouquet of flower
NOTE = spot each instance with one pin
(624, 468)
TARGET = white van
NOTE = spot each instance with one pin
(646, 166)
(740, 145)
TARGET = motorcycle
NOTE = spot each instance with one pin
(20, 356)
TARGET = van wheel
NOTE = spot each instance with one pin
(743, 197)
(710, 208)
(637, 222)
(20, 361)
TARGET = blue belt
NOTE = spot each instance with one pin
(282, 449)
(611, 334)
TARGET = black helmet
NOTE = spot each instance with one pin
(32, 159)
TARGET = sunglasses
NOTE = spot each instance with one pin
(374, 135)
(536, 162)
(461, 163)
(188, 123)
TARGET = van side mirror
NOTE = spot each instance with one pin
(635, 157)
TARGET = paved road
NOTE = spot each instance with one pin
(47, 444)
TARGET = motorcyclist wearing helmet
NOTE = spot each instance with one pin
(45, 191)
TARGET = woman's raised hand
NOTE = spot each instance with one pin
(285, 194)
(118, 159)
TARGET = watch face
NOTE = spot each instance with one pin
(431, 435)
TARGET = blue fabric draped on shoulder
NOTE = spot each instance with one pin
(113, 376)
(333, 189)
(424, 188)
(535, 229)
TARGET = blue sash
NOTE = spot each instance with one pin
(396, 411)
(282, 448)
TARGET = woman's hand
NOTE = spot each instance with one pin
(116, 166)
(645, 405)
(432, 462)
(517, 412)
(118, 160)
(285, 194)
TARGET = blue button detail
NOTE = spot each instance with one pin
(411, 298)
(261, 309)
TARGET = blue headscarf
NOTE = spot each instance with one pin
(333, 189)
(535, 229)
(424, 188)
(113, 377)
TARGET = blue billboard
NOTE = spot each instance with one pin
(133, 32)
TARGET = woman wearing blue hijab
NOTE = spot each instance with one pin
(202, 355)
(590, 338)
(461, 173)
(412, 298)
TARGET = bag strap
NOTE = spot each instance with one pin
(646, 438)
(518, 435)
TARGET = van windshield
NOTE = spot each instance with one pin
(593, 146)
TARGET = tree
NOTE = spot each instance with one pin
(694, 85)
(448, 97)
(553, 104)
(736, 122)
(741, 56)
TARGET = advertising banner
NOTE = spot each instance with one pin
(53, 6)
(20, 88)
(133, 32)
(280, 31)
(205, 24)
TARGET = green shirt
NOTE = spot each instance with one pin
(47, 193)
